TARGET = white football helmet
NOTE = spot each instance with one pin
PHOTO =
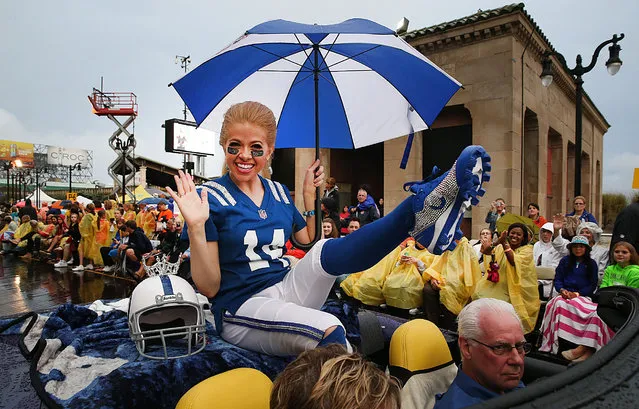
(164, 311)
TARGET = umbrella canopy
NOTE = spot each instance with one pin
(345, 85)
(509, 218)
(151, 200)
(59, 204)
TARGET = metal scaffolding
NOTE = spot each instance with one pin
(112, 105)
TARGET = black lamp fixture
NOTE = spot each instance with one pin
(613, 64)
(78, 166)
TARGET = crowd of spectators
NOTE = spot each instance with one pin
(107, 236)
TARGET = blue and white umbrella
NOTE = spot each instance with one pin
(345, 85)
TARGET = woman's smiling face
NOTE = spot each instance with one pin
(327, 228)
(246, 151)
(516, 237)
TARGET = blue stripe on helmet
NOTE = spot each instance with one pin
(166, 285)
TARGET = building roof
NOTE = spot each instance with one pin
(481, 15)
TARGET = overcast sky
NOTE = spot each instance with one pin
(53, 53)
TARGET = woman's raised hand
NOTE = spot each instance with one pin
(314, 177)
(558, 221)
(194, 206)
(503, 237)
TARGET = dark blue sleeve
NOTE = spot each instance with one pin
(591, 218)
(560, 273)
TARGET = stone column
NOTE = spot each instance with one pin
(493, 129)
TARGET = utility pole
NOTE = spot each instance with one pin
(184, 62)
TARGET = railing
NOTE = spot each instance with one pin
(115, 103)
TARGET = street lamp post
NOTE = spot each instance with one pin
(613, 65)
(23, 180)
(38, 172)
(73, 167)
(7, 167)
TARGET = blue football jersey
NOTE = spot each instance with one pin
(251, 239)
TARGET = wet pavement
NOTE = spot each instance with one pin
(36, 285)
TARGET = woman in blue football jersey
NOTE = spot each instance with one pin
(238, 225)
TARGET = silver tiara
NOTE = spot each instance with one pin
(162, 266)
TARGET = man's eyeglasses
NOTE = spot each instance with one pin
(522, 348)
(579, 204)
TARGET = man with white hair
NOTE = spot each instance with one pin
(492, 345)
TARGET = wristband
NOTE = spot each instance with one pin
(309, 213)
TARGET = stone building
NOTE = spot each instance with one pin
(529, 130)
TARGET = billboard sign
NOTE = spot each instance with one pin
(67, 156)
(184, 137)
(12, 151)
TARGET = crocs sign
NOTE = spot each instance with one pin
(67, 157)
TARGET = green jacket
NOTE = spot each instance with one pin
(615, 275)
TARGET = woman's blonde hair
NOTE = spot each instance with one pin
(253, 113)
(583, 199)
(329, 377)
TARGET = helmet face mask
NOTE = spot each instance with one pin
(166, 320)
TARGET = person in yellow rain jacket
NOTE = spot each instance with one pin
(395, 280)
(129, 212)
(511, 275)
(102, 227)
(146, 220)
(88, 249)
(450, 281)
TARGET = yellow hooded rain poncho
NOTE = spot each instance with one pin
(458, 273)
(390, 282)
(88, 244)
(517, 284)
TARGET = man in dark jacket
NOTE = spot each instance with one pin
(627, 226)
(331, 191)
(28, 210)
(137, 246)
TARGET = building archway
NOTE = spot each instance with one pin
(530, 158)
(555, 174)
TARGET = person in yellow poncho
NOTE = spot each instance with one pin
(450, 281)
(511, 275)
(26, 236)
(129, 212)
(146, 220)
(395, 280)
(102, 227)
(88, 248)
(109, 209)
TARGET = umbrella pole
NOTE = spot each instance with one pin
(318, 207)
